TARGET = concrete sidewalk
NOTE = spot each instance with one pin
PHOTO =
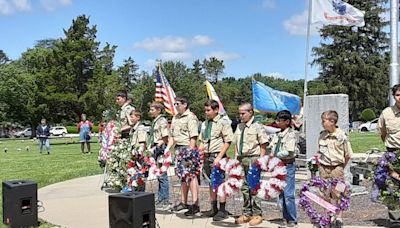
(80, 203)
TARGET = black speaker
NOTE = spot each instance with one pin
(20, 203)
(132, 210)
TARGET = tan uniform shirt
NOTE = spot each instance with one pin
(221, 132)
(254, 136)
(334, 147)
(183, 127)
(138, 134)
(124, 114)
(160, 129)
(287, 143)
(389, 122)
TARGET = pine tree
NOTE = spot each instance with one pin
(354, 60)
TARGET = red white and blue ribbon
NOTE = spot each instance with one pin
(267, 189)
(234, 179)
(108, 140)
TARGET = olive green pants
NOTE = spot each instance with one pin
(251, 203)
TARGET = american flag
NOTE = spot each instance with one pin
(164, 92)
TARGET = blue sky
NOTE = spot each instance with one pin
(266, 36)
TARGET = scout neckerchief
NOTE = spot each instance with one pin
(242, 136)
(151, 142)
(207, 132)
(278, 144)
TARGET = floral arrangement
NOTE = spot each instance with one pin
(108, 140)
(234, 173)
(188, 163)
(267, 189)
(162, 164)
(313, 164)
(138, 168)
(117, 164)
(328, 187)
(387, 180)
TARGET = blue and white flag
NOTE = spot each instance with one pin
(336, 12)
(267, 99)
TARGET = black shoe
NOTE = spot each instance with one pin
(181, 206)
(209, 214)
(221, 215)
(193, 210)
(338, 224)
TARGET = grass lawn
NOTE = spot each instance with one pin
(362, 142)
(65, 162)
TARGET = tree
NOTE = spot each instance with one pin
(352, 60)
(17, 93)
(129, 73)
(77, 53)
(197, 70)
(213, 68)
(106, 58)
(3, 58)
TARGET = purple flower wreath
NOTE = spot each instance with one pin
(323, 219)
(189, 163)
(386, 185)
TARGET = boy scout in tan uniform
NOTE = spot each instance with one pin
(284, 146)
(334, 151)
(123, 115)
(389, 123)
(184, 131)
(334, 148)
(138, 133)
(138, 137)
(251, 142)
(216, 137)
(158, 140)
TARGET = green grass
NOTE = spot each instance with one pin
(362, 142)
(65, 162)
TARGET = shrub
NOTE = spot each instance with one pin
(72, 129)
(368, 114)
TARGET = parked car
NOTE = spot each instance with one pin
(27, 132)
(369, 126)
(60, 130)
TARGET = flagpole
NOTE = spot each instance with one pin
(394, 75)
(306, 62)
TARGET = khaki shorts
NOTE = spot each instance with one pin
(327, 172)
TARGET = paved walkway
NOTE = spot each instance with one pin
(80, 203)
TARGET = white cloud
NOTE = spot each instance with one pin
(223, 55)
(22, 5)
(172, 43)
(276, 75)
(297, 24)
(8, 7)
(168, 44)
(175, 56)
(201, 40)
(51, 5)
(268, 4)
(5, 7)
